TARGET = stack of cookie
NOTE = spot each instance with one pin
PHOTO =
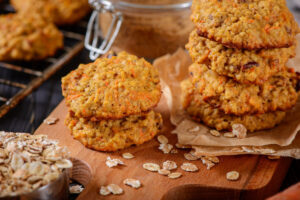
(239, 49)
(111, 100)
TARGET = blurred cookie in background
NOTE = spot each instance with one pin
(60, 12)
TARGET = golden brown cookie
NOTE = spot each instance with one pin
(113, 135)
(245, 66)
(60, 12)
(278, 93)
(27, 37)
(112, 88)
(215, 118)
(245, 24)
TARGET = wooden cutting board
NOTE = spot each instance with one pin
(259, 176)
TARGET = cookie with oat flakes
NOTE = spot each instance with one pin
(112, 88)
(245, 66)
(113, 135)
(27, 37)
(245, 24)
(278, 93)
(60, 12)
(213, 117)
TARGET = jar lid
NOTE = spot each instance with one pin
(142, 5)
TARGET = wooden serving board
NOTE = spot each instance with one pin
(259, 176)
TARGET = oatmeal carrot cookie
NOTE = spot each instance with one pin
(113, 135)
(278, 93)
(215, 118)
(60, 12)
(112, 88)
(245, 24)
(244, 66)
(27, 37)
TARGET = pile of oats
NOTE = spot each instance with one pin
(28, 162)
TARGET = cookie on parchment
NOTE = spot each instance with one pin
(215, 118)
(278, 93)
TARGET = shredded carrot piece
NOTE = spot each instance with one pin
(267, 27)
(132, 72)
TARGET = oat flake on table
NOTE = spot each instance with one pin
(115, 189)
(165, 148)
(76, 189)
(50, 120)
(164, 172)
(153, 167)
(190, 157)
(175, 175)
(189, 167)
(104, 191)
(113, 162)
(132, 182)
(127, 155)
(162, 139)
(169, 165)
(232, 176)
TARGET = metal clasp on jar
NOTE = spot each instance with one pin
(94, 40)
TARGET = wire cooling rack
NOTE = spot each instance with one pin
(19, 79)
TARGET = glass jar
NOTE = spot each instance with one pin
(146, 28)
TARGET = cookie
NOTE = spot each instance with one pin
(245, 66)
(278, 93)
(112, 88)
(27, 37)
(60, 12)
(113, 135)
(245, 24)
(215, 118)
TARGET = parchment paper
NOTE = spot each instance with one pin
(173, 69)
(292, 150)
